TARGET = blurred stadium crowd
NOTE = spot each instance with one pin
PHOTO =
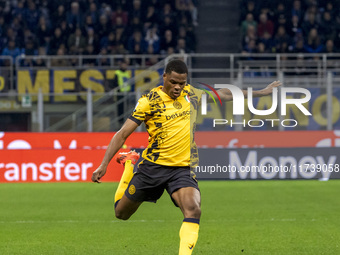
(297, 26)
(96, 27)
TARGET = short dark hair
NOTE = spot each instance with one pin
(177, 66)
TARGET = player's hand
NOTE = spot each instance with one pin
(269, 89)
(98, 174)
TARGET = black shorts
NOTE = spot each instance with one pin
(150, 180)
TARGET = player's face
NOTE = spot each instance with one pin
(174, 84)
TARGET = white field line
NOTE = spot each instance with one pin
(147, 221)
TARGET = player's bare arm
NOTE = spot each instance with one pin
(226, 95)
(116, 143)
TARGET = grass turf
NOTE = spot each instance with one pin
(238, 217)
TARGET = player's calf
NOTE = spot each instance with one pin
(124, 209)
(128, 159)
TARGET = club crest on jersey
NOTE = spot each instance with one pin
(177, 105)
(132, 189)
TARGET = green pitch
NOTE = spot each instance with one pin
(238, 217)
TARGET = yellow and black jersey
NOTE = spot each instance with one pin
(168, 124)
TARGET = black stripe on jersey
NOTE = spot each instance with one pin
(135, 120)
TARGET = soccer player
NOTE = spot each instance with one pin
(166, 112)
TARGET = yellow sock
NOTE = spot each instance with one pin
(125, 180)
(188, 235)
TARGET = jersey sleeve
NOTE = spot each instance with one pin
(195, 96)
(141, 110)
(197, 92)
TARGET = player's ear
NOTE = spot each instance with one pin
(164, 75)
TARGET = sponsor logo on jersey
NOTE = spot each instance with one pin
(176, 115)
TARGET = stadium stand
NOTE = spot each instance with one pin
(292, 27)
(93, 27)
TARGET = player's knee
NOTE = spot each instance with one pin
(193, 212)
(121, 215)
(197, 213)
